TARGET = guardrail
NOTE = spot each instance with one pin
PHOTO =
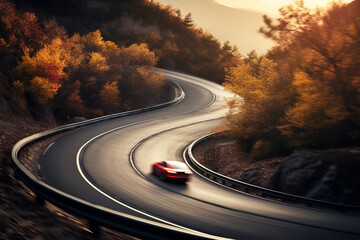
(260, 191)
(95, 214)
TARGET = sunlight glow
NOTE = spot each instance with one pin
(272, 6)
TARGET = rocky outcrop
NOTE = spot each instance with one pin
(318, 175)
(249, 175)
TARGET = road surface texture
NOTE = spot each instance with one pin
(109, 164)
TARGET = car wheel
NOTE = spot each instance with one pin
(153, 170)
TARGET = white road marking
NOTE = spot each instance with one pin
(79, 154)
(48, 148)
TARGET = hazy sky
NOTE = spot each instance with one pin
(271, 6)
(236, 20)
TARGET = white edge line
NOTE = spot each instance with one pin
(48, 148)
(106, 195)
(79, 153)
(78, 156)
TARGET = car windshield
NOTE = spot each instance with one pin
(178, 165)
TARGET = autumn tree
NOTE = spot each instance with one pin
(315, 115)
(188, 20)
(305, 92)
(72, 104)
(43, 73)
(42, 90)
(139, 77)
(52, 68)
(111, 77)
(327, 109)
(259, 104)
(24, 30)
(110, 98)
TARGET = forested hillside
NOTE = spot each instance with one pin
(171, 34)
(89, 58)
(304, 93)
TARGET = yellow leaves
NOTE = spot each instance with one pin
(312, 98)
(167, 49)
(42, 90)
(111, 49)
(92, 61)
(254, 111)
(74, 99)
(239, 78)
(267, 73)
(18, 88)
(317, 106)
(94, 41)
(137, 55)
(110, 97)
(151, 79)
(45, 70)
(109, 92)
(131, 68)
(73, 48)
(73, 104)
(51, 56)
(326, 84)
(27, 65)
(252, 81)
(98, 62)
(235, 104)
(318, 97)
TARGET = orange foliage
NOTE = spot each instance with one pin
(110, 98)
(24, 30)
(327, 107)
(49, 62)
(42, 90)
(74, 105)
(311, 97)
(97, 62)
(257, 107)
(80, 74)
(137, 55)
(317, 108)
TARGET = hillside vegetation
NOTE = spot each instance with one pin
(43, 67)
(90, 58)
(174, 37)
(304, 93)
(62, 59)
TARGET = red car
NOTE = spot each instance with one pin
(172, 170)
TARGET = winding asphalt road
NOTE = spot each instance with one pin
(109, 164)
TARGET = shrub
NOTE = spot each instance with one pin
(262, 149)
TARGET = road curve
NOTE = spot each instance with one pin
(108, 164)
